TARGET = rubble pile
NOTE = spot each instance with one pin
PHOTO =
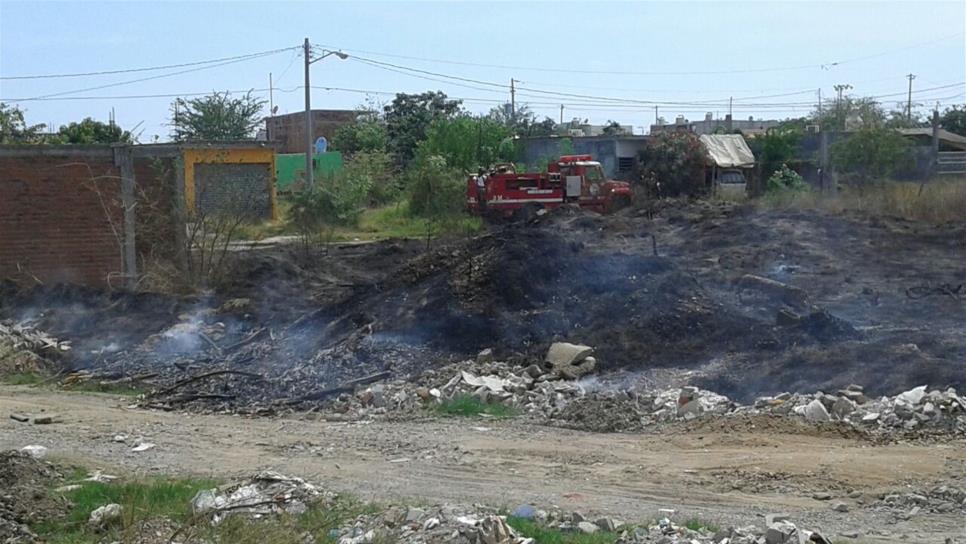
(939, 499)
(24, 348)
(561, 391)
(24, 497)
(266, 493)
(918, 408)
(482, 525)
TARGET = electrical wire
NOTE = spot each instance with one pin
(572, 70)
(148, 69)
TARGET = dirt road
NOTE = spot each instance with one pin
(721, 475)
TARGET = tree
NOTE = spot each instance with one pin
(673, 164)
(216, 117)
(437, 192)
(362, 136)
(468, 143)
(15, 130)
(408, 118)
(954, 120)
(872, 153)
(850, 114)
(777, 148)
(90, 131)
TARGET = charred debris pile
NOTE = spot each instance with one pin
(291, 335)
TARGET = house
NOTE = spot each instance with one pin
(617, 154)
(288, 131)
(710, 125)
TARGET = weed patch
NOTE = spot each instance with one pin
(546, 535)
(468, 405)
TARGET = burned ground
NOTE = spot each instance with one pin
(661, 297)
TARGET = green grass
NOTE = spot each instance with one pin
(381, 223)
(22, 378)
(547, 535)
(89, 386)
(170, 499)
(394, 221)
(156, 498)
(468, 405)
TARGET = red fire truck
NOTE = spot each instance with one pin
(503, 193)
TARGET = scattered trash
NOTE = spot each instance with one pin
(35, 451)
(143, 446)
(265, 493)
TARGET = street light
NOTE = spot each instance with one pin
(307, 49)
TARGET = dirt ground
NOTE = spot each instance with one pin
(727, 474)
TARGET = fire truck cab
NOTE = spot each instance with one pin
(578, 179)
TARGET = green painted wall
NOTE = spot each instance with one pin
(290, 167)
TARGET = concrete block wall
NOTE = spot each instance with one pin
(60, 218)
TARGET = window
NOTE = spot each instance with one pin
(594, 173)
(625, 164)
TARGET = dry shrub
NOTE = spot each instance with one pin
(933, 202)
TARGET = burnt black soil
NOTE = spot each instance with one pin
(656, 291)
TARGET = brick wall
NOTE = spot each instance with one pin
(58, 217)
(289, 130)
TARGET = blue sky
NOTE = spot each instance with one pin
(641, 52)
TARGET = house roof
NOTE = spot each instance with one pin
(950, 138)
(728, 150)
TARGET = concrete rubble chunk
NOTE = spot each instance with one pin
(815, 411)
(485, 356)
(913, 396)
(609, 524)
(587, 527)
(843, 407)
(784, 532)
(105, 515)
(35, 451)
(565, 353)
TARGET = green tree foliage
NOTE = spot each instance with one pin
(777, 147)
(954, 120)
(339, 199)
(436, 190)
(363, 136)
(673, 164)
(216, 117)
(786, 179)
(468, 143)
(849, 113)
(15, 130)
(90, 131)
(409, 117)
(375, 170)
(872, 153)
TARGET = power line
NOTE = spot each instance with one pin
(149, 68)
(571, 70)
(139, 80)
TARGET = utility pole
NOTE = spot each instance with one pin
(909, 102)
(656, 118)
(307, 53)
(513, 100)
(840, 88)
(561, 113)
(730, 106)
(271, 99)
(820, 101)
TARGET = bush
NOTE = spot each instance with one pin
(872, 154)
(363, 136)
(672, 164)
(786, 179)
(436, 191)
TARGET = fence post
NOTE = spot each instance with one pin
(934, 159)
(124, 160)
(828, 185)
